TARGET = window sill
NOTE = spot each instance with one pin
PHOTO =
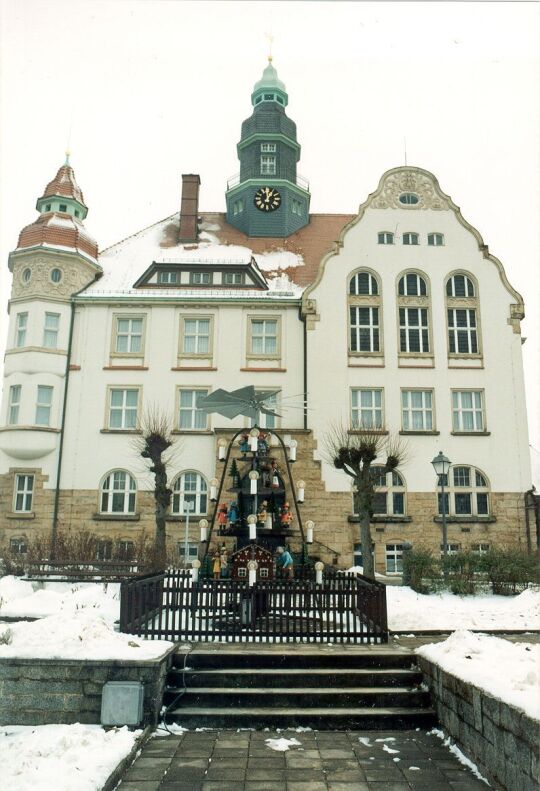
(116, 517)
(125, 368)
(192, 518)
(466, 519)
(188, 431)
(120, 431)
(194, 368)
(31, 428)
(381, 519)
(419, 433)
(45, 349)
(21, 515)
(263, 370)
(471, 433)
(359, 431)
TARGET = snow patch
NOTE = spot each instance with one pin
(388, 749)
(278, 260)
(282, 745)
(457, 752)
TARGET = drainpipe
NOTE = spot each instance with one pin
(303, 320)
(54, 530)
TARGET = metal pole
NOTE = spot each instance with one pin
(187, 509)
(444, 530)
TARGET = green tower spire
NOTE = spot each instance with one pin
(267, 197)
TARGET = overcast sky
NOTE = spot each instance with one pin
(144, 91)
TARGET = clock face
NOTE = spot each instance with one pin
(267, 199)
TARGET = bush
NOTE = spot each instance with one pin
(462, 571)
(418, 565)
(509, 570)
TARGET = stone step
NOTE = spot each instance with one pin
(298, 677)
(357, 718)
(305, 698)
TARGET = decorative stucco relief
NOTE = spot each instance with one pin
(74, 277)
(395, 184)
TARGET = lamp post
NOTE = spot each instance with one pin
(188, 506)
(441, 465)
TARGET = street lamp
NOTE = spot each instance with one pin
(441, 465)
(188, 506)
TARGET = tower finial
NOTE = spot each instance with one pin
(68, 154)
(270, 38)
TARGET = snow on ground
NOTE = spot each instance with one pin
(19, 598)
(408, 610)
(79, 635)
(63, 757)
(457, 752)
(282, 745)
(508, 671)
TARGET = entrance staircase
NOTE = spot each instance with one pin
(285, 686)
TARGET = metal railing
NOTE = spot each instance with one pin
(301, 181)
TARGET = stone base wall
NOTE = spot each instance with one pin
(336, 530)
(500, 739)
(55, 691)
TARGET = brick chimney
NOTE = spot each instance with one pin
(189, 209)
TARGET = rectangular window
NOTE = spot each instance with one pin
(394, 558)
(200, 278)
(417, 410)
(267, 421)
(385, 237)
(482, 504)
(481, 549)
(129, 335)
(189, 417)
(126, 550)
(467, 410)
(268, 148)
(462, 331)
(14, 404)
(398, 499)
(234, 278)
(367, 409)
(462, 501)
(462, 476)
(18, 546)
(20, 332)
(410, 238)
(192, 551)
(24, 492)
(413, 330)
(167, 278)
(380, 503)
(123, 404)
(196, 339)
(268, 165)
(104, 550)
(446, 503)
(364, 329)
(452, 549)
(264, 337)
(50, 332)
(43, 405)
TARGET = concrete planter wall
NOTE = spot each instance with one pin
(500, 739)
(64, 691)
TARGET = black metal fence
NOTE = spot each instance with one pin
(344, 608)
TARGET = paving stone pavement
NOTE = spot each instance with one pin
(224, 760)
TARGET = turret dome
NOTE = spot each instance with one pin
(269, 87)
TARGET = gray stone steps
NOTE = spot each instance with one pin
(298, 677)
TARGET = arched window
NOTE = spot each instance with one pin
(466, 492)
(363, 284)
(413, 311)
(364, 313)
(410, 238)
(462, 315)
(385, 237)
(190, 488)
(435, 239)
(117, 493)
(389, 498)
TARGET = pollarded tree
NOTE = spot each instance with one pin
(155, 440)
(355, 453)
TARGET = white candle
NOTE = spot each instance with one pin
(318, 572)
(301, 491)
(292, 450)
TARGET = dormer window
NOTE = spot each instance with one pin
(62, 207)
(234, 278)
(200, 278)
(167, 278)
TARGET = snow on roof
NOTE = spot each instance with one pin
(125, 262)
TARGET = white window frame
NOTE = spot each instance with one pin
(15, 545)
(198, 420)
(200, 278)
(234, 278)
(366, 416)
(268, 164)
(480, 549)
(451, 549)
(168, 278)
(51, 328)
(468, 284)
(193, 551)
(408, 329)
(268, 148)
(358, 333)
(372, 283)
(196, 493)
(476, 413)
(21, 329)
(104, 549)
(128, 413)
(394, 484)
(385, 237)
(44, 399)
(435, 239)
(411, 238)
(23, 493)
(198, 336)
(116, 486)
(425, 409)
(266, 334)
(268, 421)
(393, 553)
(14, 404)
(473, 487)
(417, 288)
(131, 334)
(469, 331)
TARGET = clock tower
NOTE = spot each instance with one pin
(268, 197)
